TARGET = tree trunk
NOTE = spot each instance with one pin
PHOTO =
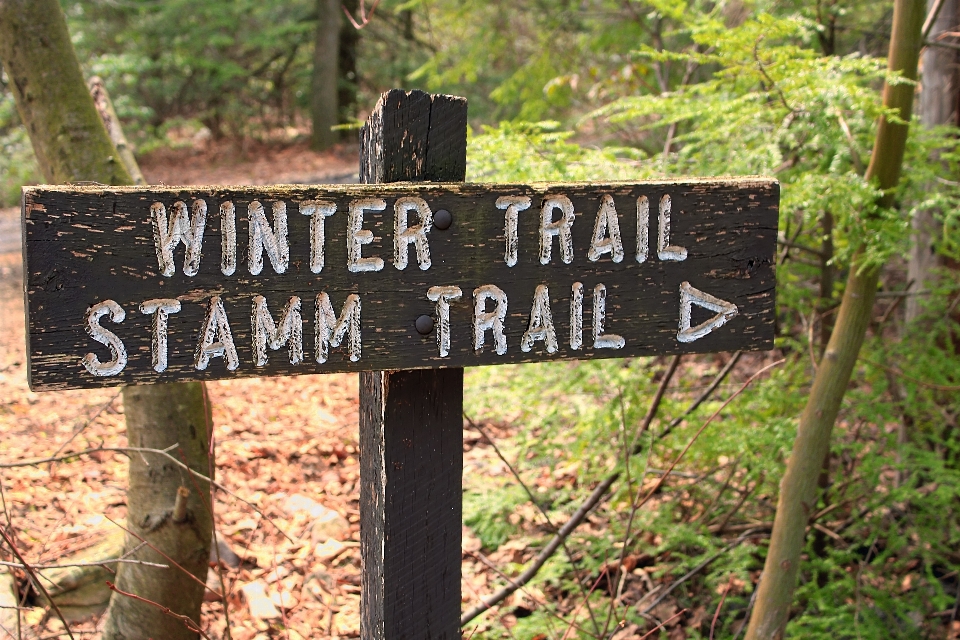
(799, 484)
(167, 414)
(69, 140)
(71, 145)
(938, 105)
(347, 81)
(323, 85)
(101, 100)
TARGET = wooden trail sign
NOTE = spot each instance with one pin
(145, 285)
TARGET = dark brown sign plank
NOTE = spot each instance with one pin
(216, 282)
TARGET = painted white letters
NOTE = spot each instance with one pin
(404, 235)
(643, 229)
(319, 211)
(330, 330)
(514, 205)
(442, 296)
(541, 322)
(690, 296)
(267, 334)
(576, 316)
(357, 236)
(261, 237)
(606, 233)
(118, 353)
(666, 251)
(484, 320)
(560, 228)
(160, 308)
(228, 239)
(167, 234)
(216, 339)
(600, 341)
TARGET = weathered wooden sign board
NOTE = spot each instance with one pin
(146, 285)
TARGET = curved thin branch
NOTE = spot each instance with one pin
(141, 450)
(600, 492)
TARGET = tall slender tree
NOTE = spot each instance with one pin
(71, 144)
(799, 485)
(939, 95)
(324, 103)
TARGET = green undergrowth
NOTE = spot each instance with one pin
(18, 167)
(883, 564)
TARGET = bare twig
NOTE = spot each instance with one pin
(482, 558)
(169, 559)
(800, 247)
(647, 419)
(586, 600)
(35, 580)
(746, 615)
(663, 478)
(98, 563)
(726, 484)
(365, 17)
(697, 569)
(186, 620)
(655, 402)
(544, 555)
(598, 494)
(852, 143)
(141, 450)
(953, 305)
(23, 597)
(716, 615)
(763, 72)
(542, 511)
(922, 383)
(743, 499)
(941, 44)
(931, 19)
(96, 414)
(662, 624)
(727, 368)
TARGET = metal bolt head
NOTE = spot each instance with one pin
(442, 219)
(424, 325)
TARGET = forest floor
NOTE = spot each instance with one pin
(287, 445)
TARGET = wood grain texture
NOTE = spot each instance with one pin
(411, 447)
(411, 503)
(84, 245)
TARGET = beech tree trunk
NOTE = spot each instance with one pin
(72, 145)
(799, 485)
(938, 105)
(324, 109)
(165, 415)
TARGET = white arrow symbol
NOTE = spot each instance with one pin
(690, 296)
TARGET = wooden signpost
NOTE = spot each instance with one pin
(408, 283)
